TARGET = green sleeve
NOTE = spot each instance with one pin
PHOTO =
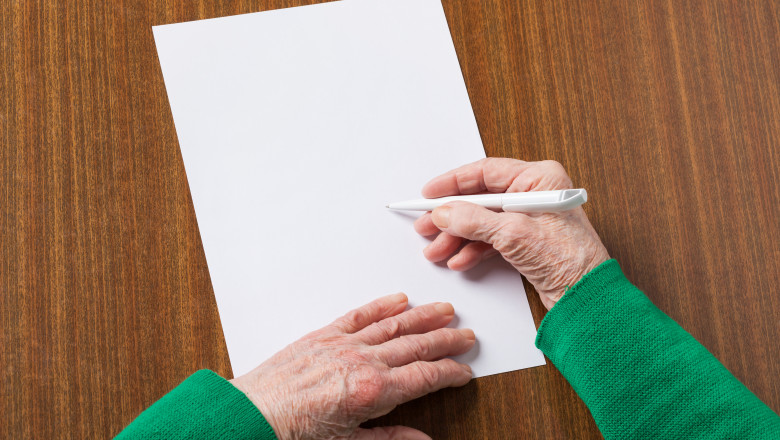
(640, 374)
(204, 406)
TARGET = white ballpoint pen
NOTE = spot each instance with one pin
(532, 201)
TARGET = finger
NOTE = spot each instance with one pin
(420, 319)
(491, 174)
(477, 223)
(429, 346)
(389, 433)
(546, 175)
(420, 378)
(471, 255)
(442, 247)
(372, 312)
(424, 225)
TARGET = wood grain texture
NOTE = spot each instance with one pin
(106, 302)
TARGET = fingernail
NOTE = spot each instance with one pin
(441, 217)
(467, 369)
(397, 297)
(445, 308)
(468, 333)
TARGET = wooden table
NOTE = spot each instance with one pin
(668, 112)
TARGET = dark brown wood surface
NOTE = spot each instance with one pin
(668, 112)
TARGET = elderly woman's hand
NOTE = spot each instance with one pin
(357, 368)
(552, 250)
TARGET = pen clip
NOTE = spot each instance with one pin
(570, 199)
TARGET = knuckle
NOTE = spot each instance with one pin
(429, 375)
(445, 337)
(554, 166)
(500, 173)
(557, 173)
(470, 223)
(354, 317)
(498, 161)
(365, 385)
(450, 369)
(452, 336)
(469, 181)
(447, 365)
(422, 349)
(389, 328)
(490, 162)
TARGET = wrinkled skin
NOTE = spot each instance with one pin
(357, 368)
(552, 250)
(378, 356)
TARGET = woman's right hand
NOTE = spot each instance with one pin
(552, 250)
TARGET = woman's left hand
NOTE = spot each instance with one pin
(357, 368)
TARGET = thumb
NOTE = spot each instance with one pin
(389, 433)
(474, 222)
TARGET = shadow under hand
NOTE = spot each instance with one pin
(442, 415)
(495, 266)
(469, 356)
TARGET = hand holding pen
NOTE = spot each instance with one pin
(553, 248)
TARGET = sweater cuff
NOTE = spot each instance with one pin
(592, 287)
(203, 406)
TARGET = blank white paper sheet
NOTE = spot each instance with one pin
(297, 127)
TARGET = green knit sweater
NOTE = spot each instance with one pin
(641, 375)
